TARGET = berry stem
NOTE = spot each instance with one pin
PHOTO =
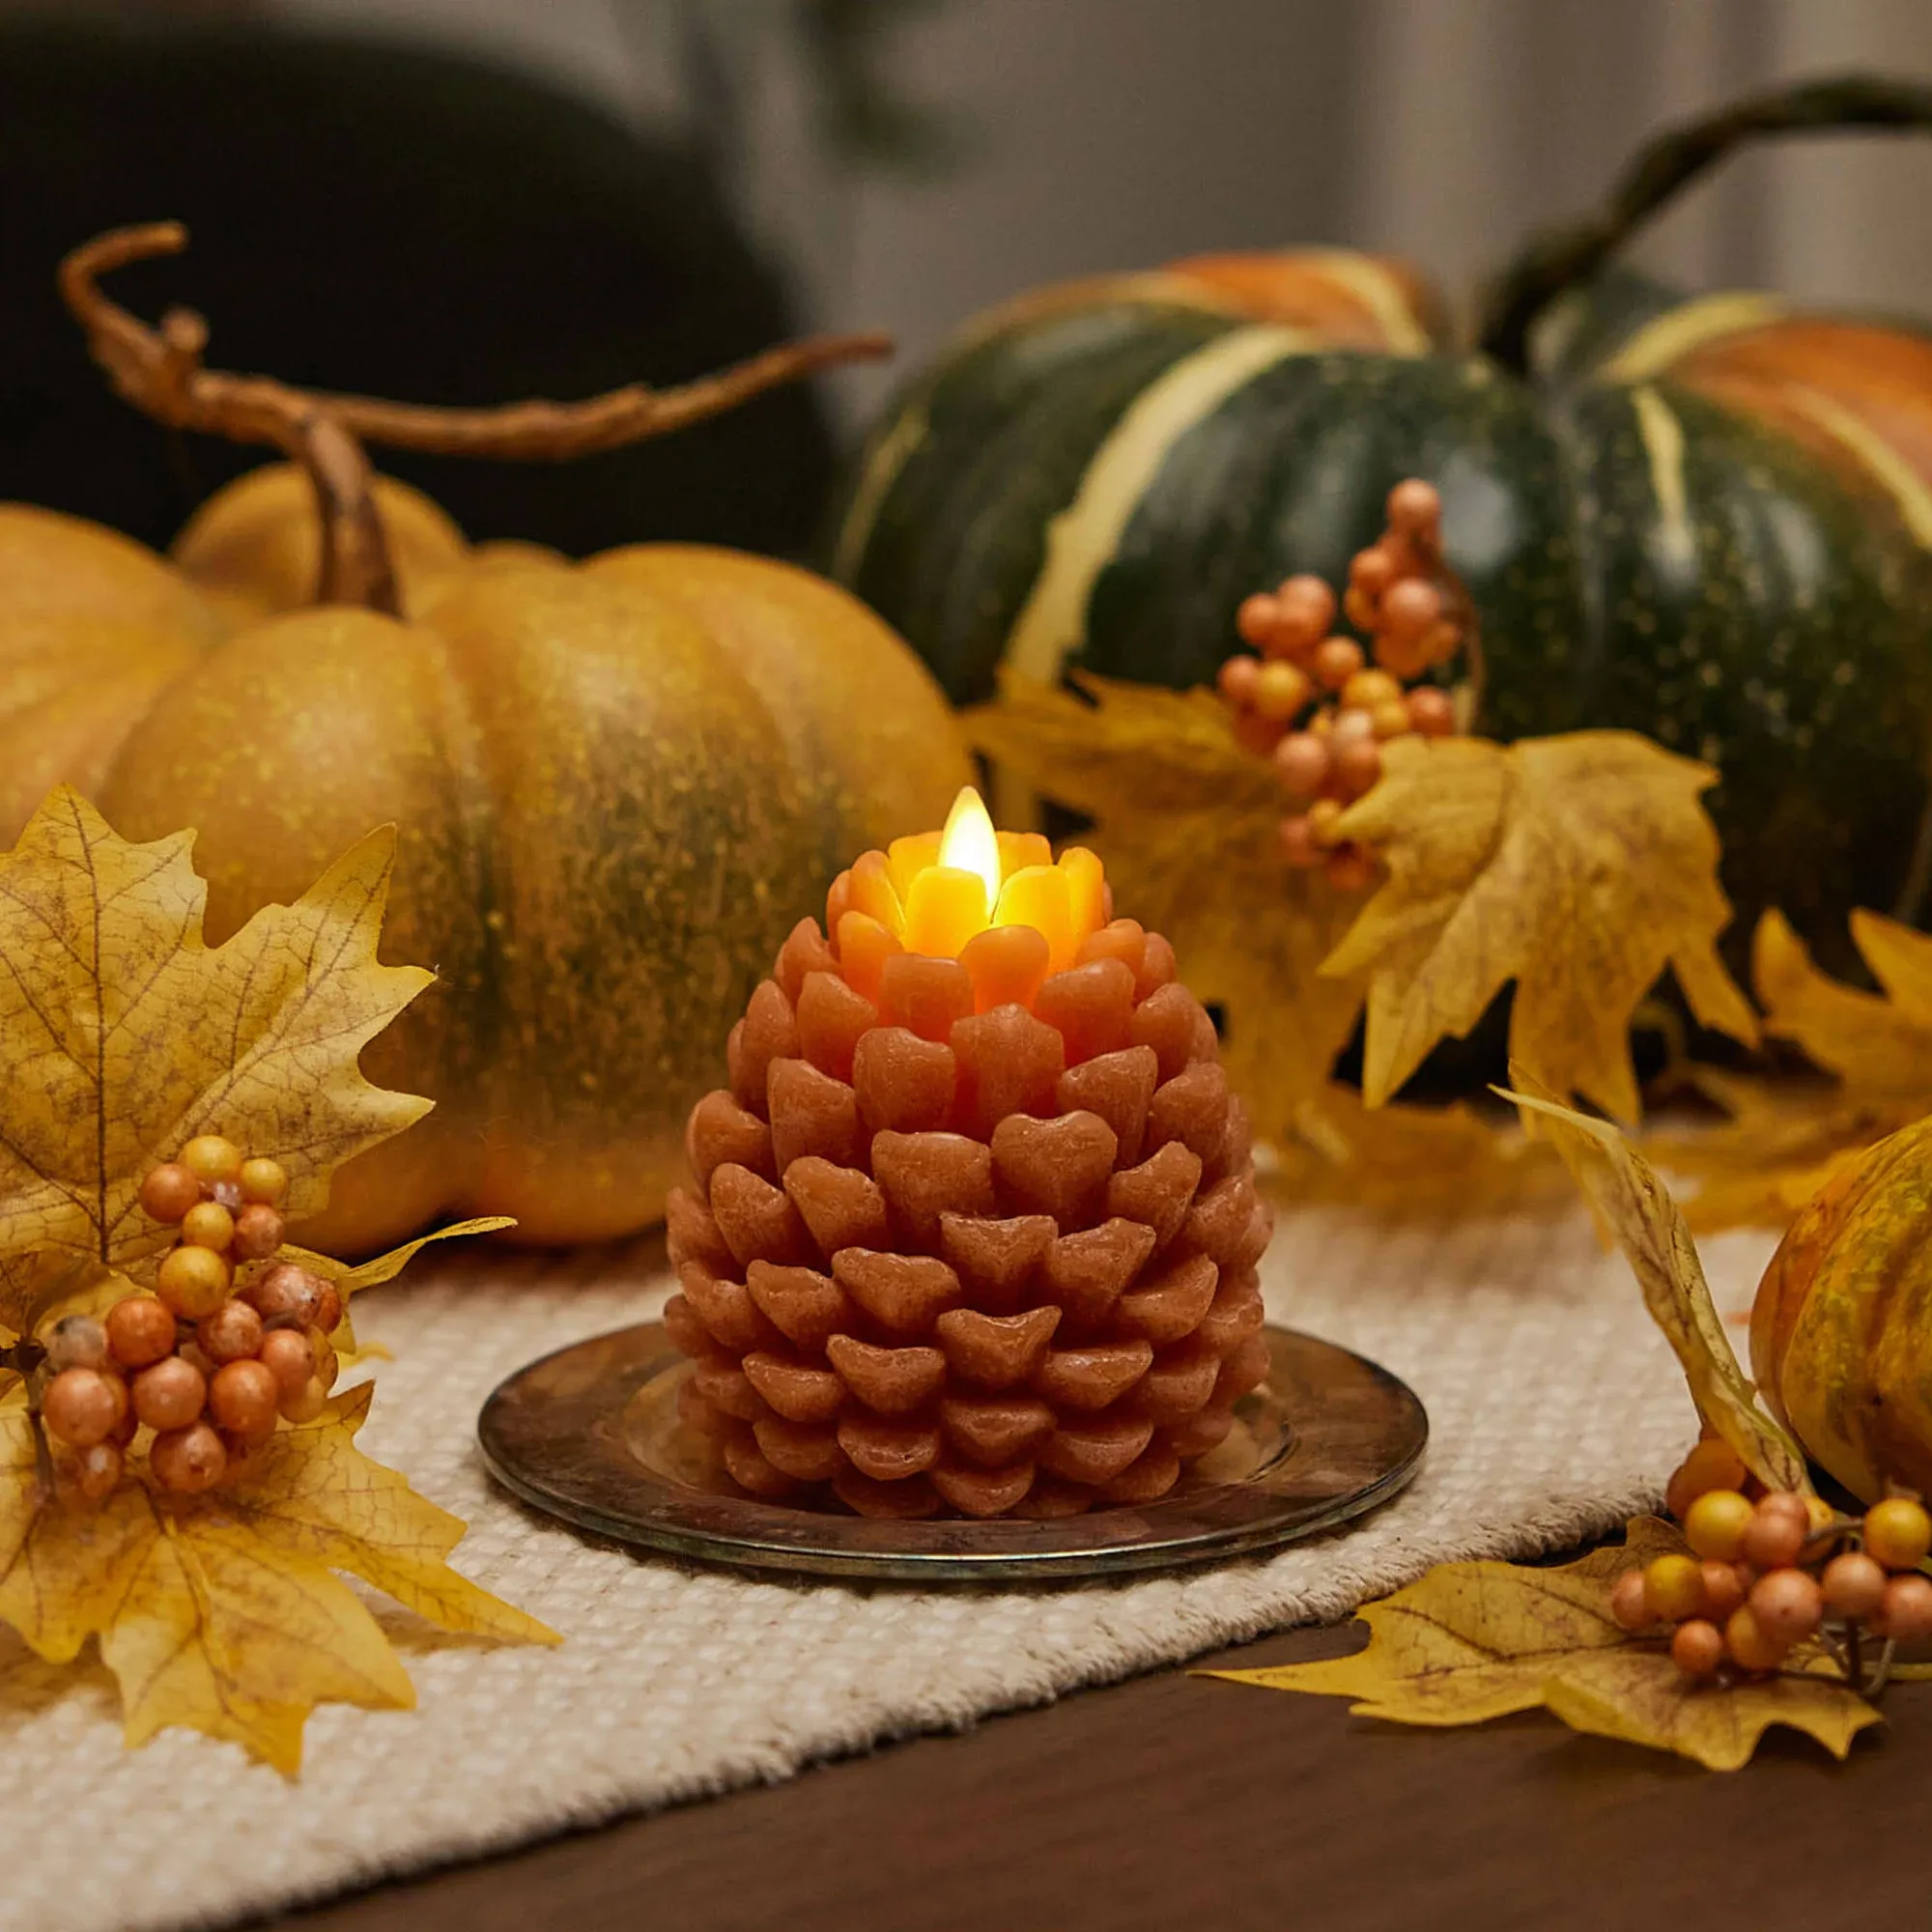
(161, 371)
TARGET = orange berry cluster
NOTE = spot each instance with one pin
(206, 1367)
(1311, 702)
(1767, 1573)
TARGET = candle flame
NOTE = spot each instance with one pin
(969, 843)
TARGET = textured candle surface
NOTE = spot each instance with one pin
(966, 1236)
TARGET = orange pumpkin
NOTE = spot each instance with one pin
(1841, 1332)
(618, 784)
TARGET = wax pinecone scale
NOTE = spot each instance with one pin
(993, 1263)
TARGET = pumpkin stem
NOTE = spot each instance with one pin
(1558, 259)
(161, 371)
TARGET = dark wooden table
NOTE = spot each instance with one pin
(1171, 1803)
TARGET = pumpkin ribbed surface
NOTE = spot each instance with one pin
(993, 1263)
(1842, 1331)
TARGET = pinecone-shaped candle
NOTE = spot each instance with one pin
(975, 1228)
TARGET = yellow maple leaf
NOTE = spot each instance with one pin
(222, 1612)
(1413, 1164)
(1783, 1141)
(1188, 825)
(1471, 1641)
(1635, 1206)
(1579, 867)
(125, 1034)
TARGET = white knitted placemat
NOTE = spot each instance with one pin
(1555, 1412)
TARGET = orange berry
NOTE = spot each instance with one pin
(1698, 1648)
(231, 1334)
(1281, 690)
(287, 1356)
(1906, 1615)
(211, 1157)
(1371, 571)
(1774, 1537)
(1411, 607)
(170, 1395)
(1323, 817)
(80, 1407)
(1307, 605)
(243, 1397)
(1751, 1646)
(189, 1460)
(327, 1307)
(140, 1330)
(1237, 679)
(1788, 1604)
(285, 1292)
(1715, 1524)
(208, 1224)
(1301, 763)
(1854, 1586)
(193, 1281)
(1351, 869)
(1358, 764)
(1441, 642)
(1628, 1605)
(1335, 662)
(1723, 1589)
(1414, 507)
(264, 1180)
(258, 1232)
(1713, 1464)
(1673, 1588)
(1401, 657)
(169, 1191)
(1899, 1533)
(1256, 618)
(1430, 712)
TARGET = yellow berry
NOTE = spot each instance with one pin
(193, 1281)
(1899, 1533)
(1713, 1464)
(208, 1224)
(264, 1180)
(1715, 1524)
(1390, 720)
(1324, 815)
(1367, 689)
(211, 1157)
(1281, 690)
(1749, 1643)
(1673, 1588)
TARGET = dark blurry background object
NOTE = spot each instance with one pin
(393, 220)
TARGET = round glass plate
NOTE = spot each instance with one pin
(591, 1435)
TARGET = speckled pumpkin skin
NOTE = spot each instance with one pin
(1841, 1332)
(618, 786)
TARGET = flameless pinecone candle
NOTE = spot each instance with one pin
(975, 1228)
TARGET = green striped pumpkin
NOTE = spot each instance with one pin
(1706, 521)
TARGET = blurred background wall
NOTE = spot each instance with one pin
(1081, 134)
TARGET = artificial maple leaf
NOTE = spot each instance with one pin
(125, 1034)
(1471, 1641)
(1188, 825)
(222, 1611)
(1783, 1141)
(1636, 1209)
(1579, 867)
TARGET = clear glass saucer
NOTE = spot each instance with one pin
(590, 1435)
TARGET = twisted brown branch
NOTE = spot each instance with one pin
(161, 371)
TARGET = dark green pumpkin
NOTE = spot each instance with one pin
(1706, 521)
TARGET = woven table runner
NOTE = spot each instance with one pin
(1555, 1412)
